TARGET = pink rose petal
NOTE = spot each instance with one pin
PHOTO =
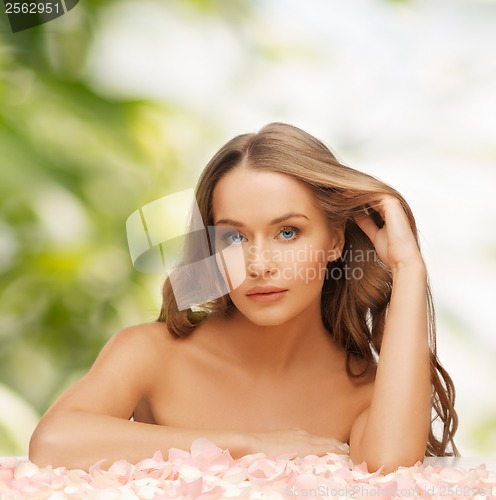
(25, 469)
(209, 472)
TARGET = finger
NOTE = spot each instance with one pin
(380, 202)
(367, 225)
(394, 216)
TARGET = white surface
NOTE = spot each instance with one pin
(462, 462)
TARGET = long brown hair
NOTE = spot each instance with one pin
(353, 310)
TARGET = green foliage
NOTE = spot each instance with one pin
(74, 165)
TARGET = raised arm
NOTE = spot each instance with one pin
(394, 430)
(90, 420)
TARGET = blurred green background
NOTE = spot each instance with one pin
(119, 103)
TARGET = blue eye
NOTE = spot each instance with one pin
(289, 233)
(234, 235)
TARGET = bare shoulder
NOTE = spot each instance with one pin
(149, 344)
(143, 338)
(122, 374)
(134, 347)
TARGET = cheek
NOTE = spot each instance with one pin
(309, 274)
(311, 259)
(231, 263)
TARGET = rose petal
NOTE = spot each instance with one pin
(25, 469)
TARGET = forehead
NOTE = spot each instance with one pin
(244, 192)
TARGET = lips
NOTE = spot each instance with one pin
(264, 290)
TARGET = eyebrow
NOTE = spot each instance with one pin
(277, 220)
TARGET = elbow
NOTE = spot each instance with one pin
(43, 446)
(37, 448)
(387, 461)
(388, 457)
(391, 464)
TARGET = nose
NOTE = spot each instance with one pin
(260, 261)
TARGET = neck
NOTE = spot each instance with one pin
(276, 350)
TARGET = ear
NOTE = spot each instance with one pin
(336, 244)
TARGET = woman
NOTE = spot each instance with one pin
(326, 334)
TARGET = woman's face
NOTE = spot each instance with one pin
(284, 239)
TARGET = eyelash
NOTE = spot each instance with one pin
(286, 228)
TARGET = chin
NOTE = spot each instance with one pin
(266, 321)
(266, 318)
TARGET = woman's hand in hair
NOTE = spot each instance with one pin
(395, 242)
(294, 440)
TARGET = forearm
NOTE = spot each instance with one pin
(398, 423)
(78, 439)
